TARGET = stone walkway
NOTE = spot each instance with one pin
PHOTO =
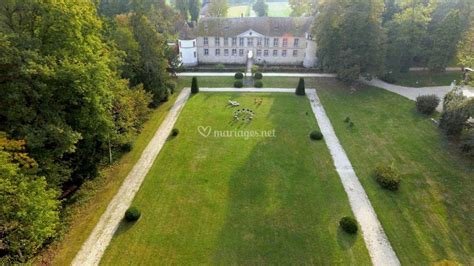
(231, 74)
(379, 247)
(94, 247)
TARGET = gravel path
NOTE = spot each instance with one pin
(231, 74)
(94, 247)
(379, 247)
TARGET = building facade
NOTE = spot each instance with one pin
(265, 40)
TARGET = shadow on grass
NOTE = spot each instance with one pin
(345, 240)
(124, 226)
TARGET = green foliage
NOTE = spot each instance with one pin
(254, 69)
(238, 84)
(258, 75)
(239, 75)
(218, 8)
(194, 86)
(456, 111)
(347, 120)
(29, 209)
(303, 7)
(220, 66)
(258, 84)
(194, 9)
(316, 135)
(174, 132)
(300, 89)
(132, 214)
(261, 8)
(427, 104)
(350, 38)
(348, 224)
(387, 177)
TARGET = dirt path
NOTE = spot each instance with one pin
(379, 247)
(94, 247)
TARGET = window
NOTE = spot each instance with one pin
(265, 52)
(226, 41)
(234, 52)
(249, 41)
(206, 41)
(283, 53)
(194, 54)
(267, 42)
(275, 52)
(241, 41)
(217, 41)
(226, 52)
(259, 42)
(218, 52)
(206, 51)
(259, 52)
(295, 52)
(296, 42)
(241, 52)
(275, 42)
(285, 42)
(234, 41)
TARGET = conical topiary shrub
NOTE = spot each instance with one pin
(300, 88)
(194, 85)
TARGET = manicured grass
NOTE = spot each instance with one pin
(278, 9)
(231, 200)
(425, 79)
(237, 11)
(268, 82)
(431, 217)
(94, 197)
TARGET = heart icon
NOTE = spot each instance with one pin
(204, 131)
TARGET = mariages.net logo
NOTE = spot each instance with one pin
(207, 131)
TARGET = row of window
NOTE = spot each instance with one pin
(250, 41)
(217, 52)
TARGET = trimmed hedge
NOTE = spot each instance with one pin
(194, 85)
(258, 75)
(239, 75)
(348, 224)
(132, 214)
(300, 88)
(316, 135)
(174, 132)
(427, 104)
(238, 84)
(258, 84)
(387, 177)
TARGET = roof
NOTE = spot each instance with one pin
(185, 32)
(268, 26)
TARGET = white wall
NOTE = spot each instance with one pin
(188, 52)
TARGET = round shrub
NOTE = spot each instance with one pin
(258, 75)
(174, 132)
(387, 177)
(238, 84)
(239, 75)
(316, 135)
(348, 224)
(426, 104)
(258, 84)
(126, 147)
(132, 214)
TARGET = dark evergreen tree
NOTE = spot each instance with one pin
(300, 88)
(194, 85)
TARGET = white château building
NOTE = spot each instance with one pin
(265, 40)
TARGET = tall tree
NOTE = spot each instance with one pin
(303, 7)
(218, 8)
(28, 208)
(183, 8)
(194, 9)
(350, 38)
(261, 8)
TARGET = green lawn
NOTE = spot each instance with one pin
(262, 200)
(424, 79)
(278, 9)
(237, 11)
(431, 217)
